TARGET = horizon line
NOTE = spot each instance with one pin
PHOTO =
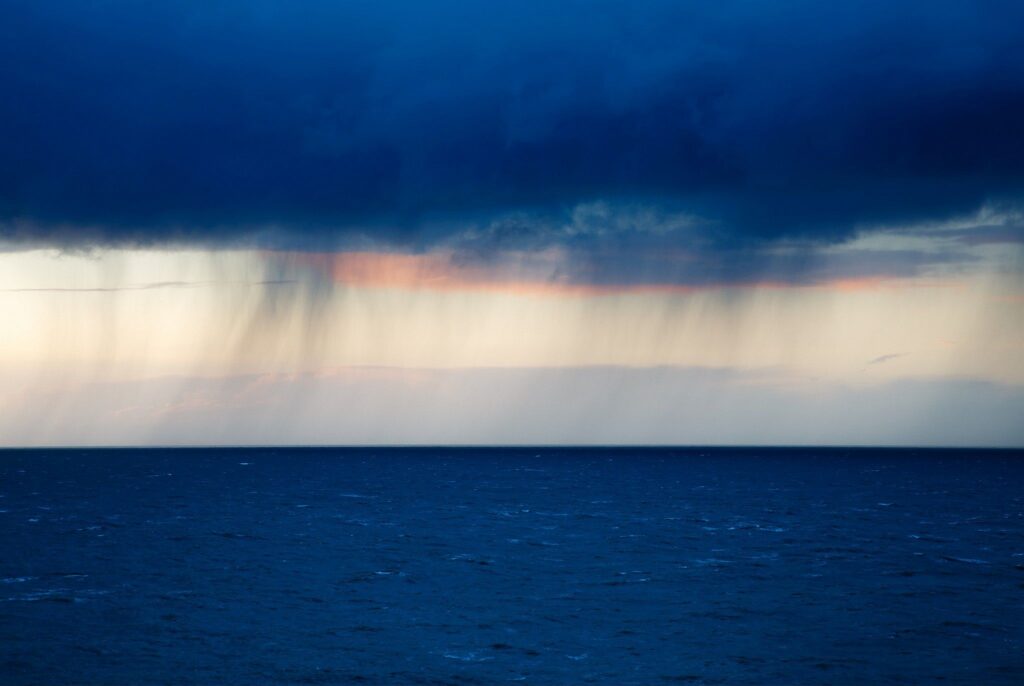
(514, 446)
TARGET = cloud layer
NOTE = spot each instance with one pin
(325, 124)
(595, 405)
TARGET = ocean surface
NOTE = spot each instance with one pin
(493, 566)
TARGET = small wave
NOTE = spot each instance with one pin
(18, 579)
(712, 562)
(966, 560)
(467, 657)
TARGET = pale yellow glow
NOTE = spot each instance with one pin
(162, 312)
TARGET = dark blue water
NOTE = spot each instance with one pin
(536, 566)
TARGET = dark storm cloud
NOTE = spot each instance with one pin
(311, 123)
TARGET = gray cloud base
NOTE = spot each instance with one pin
(590, 405)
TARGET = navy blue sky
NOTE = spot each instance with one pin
(125, 122)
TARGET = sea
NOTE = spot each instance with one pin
(462, 566)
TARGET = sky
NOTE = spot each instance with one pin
(525, 222)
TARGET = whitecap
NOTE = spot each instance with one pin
(467, 657)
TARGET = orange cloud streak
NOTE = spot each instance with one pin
(527, 274)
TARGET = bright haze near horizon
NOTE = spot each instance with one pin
(511, 223)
